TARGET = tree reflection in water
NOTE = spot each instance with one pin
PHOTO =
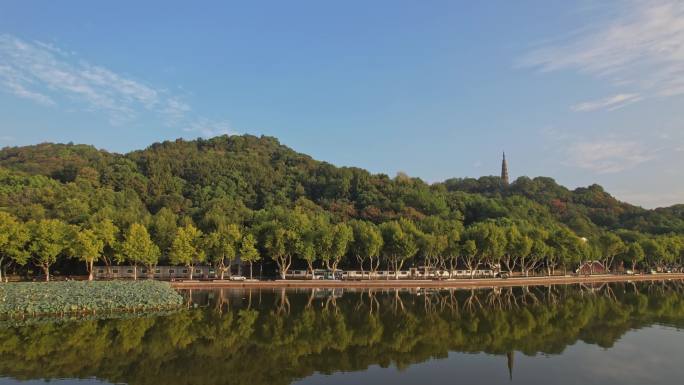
(276, 336)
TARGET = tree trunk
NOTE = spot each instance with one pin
(334, 268)
(89, 265)
(46, 269)
(283, 263)
(250, 278)
(190, 270)
(222, 273)
(1, 267)
(309, 269)
(358, 258)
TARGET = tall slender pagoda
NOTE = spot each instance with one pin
(504, 170)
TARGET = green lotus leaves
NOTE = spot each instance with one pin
(61, 298)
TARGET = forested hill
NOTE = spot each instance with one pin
(230, 177)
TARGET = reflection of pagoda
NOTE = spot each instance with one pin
(510, 356)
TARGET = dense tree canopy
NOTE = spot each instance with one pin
(302, 211)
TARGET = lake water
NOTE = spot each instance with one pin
(603, 334)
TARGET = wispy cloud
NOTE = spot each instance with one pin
(641, 50)
(209, 128)
(651, 199)
(610, 103)
(607, 156)
(48, 75)
(16, 83)
(45, 74)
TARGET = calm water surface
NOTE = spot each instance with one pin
(604, 334)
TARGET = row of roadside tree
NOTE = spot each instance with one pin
(307, 237)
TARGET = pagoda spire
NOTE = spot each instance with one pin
(504, 170)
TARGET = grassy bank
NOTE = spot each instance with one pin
(73, 297)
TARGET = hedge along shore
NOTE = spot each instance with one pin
(457, 283)
(81, 297)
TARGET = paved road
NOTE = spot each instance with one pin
(456, 283)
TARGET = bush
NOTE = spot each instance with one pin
(74, 297)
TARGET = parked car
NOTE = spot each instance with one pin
(237, 278)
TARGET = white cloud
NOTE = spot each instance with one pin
(610, 103)
(15, 82)
(46, 74)
(607, 156)
(555, 134)
(640, 49)
(650, 199)
(208, 128)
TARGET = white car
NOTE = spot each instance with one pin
(237, 278)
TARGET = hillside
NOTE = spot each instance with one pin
(239, 174)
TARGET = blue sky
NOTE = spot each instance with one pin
(585, 92)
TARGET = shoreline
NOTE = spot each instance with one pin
(457, 283)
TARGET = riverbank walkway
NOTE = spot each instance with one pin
(446, 283)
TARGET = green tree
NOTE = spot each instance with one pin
(307, 251)
(221, 247)
(138, 248)
(248, 251)
(186, 248)
(634, 254)
(654, 252)
(609, 246)
(431, 247)
(316, 243)
(518, 246)
(14, 236)
(108, 233)
(453, 247)
(282, 236)
(491, 242)
(538, 251)
(163, 229)
(399, 243)
(564, 249)
(88, 248)
(276, 244)
(366, 243)
(342, 236)
(468, 252)
(49, 239)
